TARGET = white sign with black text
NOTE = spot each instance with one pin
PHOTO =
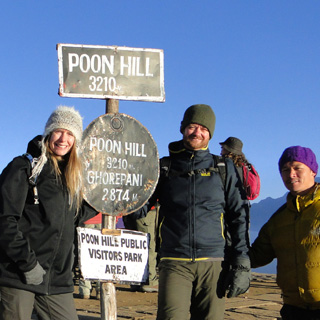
(122, 258)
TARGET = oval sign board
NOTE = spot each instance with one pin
(120, 164)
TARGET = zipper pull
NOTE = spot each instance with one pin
(35, 195)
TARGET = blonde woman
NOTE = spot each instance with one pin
(40, 203)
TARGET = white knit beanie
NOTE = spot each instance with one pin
(62, 118)
(65, 118)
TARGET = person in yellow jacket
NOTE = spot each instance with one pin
(292, 236)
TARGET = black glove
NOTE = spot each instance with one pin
(35, 275)
(237, 280)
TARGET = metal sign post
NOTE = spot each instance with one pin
(120, 172)
(121, 162)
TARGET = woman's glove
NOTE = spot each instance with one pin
(35, 275)
(237, 280)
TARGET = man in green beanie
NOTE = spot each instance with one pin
(195, 204)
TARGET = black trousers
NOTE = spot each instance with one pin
(289, 312)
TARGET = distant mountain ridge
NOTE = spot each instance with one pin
(261, 212)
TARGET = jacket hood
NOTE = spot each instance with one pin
(34, 146)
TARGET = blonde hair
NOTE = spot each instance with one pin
(71, 175)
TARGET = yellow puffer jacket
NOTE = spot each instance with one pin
(292, 235)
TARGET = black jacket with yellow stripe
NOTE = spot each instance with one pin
(195, 206)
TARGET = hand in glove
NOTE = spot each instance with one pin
(237, 280)
(35, 275)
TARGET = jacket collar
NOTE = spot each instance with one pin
(302, 202)
(177, 149)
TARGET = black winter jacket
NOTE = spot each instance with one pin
(194, 208)
(41, 232)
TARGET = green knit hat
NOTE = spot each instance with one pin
(201, 114)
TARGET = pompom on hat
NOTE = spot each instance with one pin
(300, 154)
(200, 114)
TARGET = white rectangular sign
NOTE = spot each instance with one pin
(122, 258)
(111, 72)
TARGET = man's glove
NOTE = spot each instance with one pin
(237, 280)
(35, 275)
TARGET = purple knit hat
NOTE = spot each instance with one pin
(300, 154)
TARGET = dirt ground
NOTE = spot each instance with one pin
(124, 297)
(133, 300)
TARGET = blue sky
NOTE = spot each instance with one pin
(255, 62)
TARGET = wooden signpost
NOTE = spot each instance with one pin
(120, 158)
